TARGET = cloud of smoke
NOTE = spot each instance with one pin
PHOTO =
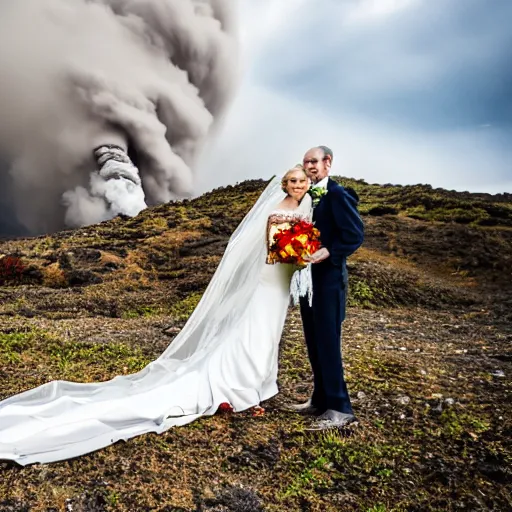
(148, 76)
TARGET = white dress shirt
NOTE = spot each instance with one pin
(322, 183)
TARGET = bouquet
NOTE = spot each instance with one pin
(291, 242)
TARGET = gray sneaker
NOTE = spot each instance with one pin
(333, 419)
(305, 408)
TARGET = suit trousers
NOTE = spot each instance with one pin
(322, 323)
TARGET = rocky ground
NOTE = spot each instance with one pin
(427, 350)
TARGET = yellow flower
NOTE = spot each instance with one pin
(290, 250)
(302, 238)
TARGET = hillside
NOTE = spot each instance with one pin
(427, 349)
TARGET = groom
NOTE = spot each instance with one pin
(341, 232)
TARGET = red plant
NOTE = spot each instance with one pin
(11, 268)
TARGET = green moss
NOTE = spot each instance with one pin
(333, 459)
(143, 311)
(12, 346)
(360, 293)
(378, 508)
(68, 360)
(154, 224)
(313, 477)
(182, 309)
(460, 214)
(455, 425)
(425, 203)
(365, 207)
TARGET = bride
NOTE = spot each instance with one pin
(226, 352)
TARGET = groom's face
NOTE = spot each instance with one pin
(316, 165)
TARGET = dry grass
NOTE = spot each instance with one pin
(53, 276)
(108, 258)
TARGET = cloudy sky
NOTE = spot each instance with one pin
(403, 91)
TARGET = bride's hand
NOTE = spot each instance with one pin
(318, 256)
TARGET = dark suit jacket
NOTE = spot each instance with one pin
(339, 222)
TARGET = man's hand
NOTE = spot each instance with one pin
(318, 256)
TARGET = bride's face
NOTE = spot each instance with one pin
(297, 185)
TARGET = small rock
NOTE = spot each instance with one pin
(449, 401)
(403, 400)
(402, 416)
(402, 348)
(361, 395)
(498, 373)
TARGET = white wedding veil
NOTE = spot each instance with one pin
(234, 281)
(63, 419)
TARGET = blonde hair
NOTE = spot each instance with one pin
(286, 177)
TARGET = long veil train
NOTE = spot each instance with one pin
(63, 419)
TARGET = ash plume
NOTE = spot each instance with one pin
(142, 79)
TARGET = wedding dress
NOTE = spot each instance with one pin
(226, 352)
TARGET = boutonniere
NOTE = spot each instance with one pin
(316, 194)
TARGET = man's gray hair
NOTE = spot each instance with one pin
(327, 152)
